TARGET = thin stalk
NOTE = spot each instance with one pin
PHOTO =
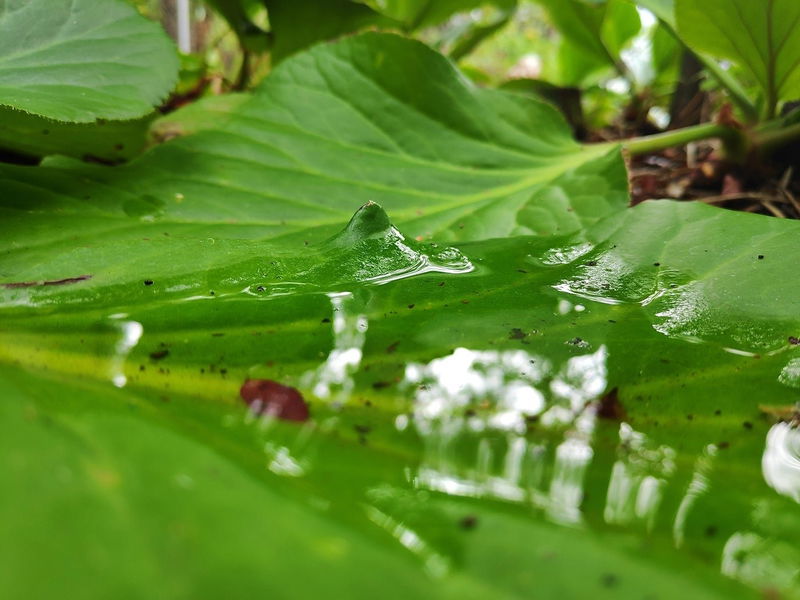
(679, 137)
(767, 139)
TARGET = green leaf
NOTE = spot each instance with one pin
(597, 29)
(297, 25)
(171, 484)
(587, 412)
(416, 14)
(757, 36)
(67, 60)
(375, 117)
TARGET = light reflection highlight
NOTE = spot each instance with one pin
(780, 462)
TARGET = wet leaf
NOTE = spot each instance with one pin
(572, 410)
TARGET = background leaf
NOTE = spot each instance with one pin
(372, 117)
(69, 60)
(757, 36)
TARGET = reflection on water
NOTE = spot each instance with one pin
(473, 410)
(638, 479)
(333, 379)
(435, 564)
(781, 460)
(762, 563)
(130, 334)
(697, 487)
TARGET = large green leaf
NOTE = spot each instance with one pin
(468, 435)
(760, 37)
(375, 117)
(82, 60)
(586, 412)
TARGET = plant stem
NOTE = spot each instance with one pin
(679, 137)
(768, 139)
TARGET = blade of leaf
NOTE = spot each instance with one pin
(67, 61)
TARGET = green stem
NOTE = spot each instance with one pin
(679, 137)
(768, 139)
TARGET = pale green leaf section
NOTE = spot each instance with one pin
(82, 60)
(106, 141)
(761, 37)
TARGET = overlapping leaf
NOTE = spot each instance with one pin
(69, 60)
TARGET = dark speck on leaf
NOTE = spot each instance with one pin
(521, 271)
(362, 429)
(468, 522)
(591, 263)
(379, 385)
(325, 320)
(148, 282)
(211, 293)
(440, 284)
(611, 321)
(260, 288)
(267, 397)
(218, 334)
(410, 306)
(794, 341)
(747, 425)
(760, 257)
(656, 264)
(392, 347)
(717, 412)
(609, 580)
(610, 407)
(517, 334)
(711, 531)
(159, 354)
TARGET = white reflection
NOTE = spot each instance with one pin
(780, 463)
(473, 408)
(334, 377)
(790, 374)
(131, 333)
(697, 487)
(762, 563)
(573, 456)
(436, 564)
(638, 479)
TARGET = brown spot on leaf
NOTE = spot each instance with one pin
(609, 407)
(267, 397)
(65, 281)
(516, 334)
(159, 354)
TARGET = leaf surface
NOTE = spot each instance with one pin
(69, 61)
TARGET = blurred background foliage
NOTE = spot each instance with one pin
(608, 64)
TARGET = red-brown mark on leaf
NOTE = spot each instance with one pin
(65, 281)
(267, 397)
(609, 407)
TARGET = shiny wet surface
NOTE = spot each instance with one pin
(548, 420)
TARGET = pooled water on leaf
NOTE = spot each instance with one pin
(452, 402)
